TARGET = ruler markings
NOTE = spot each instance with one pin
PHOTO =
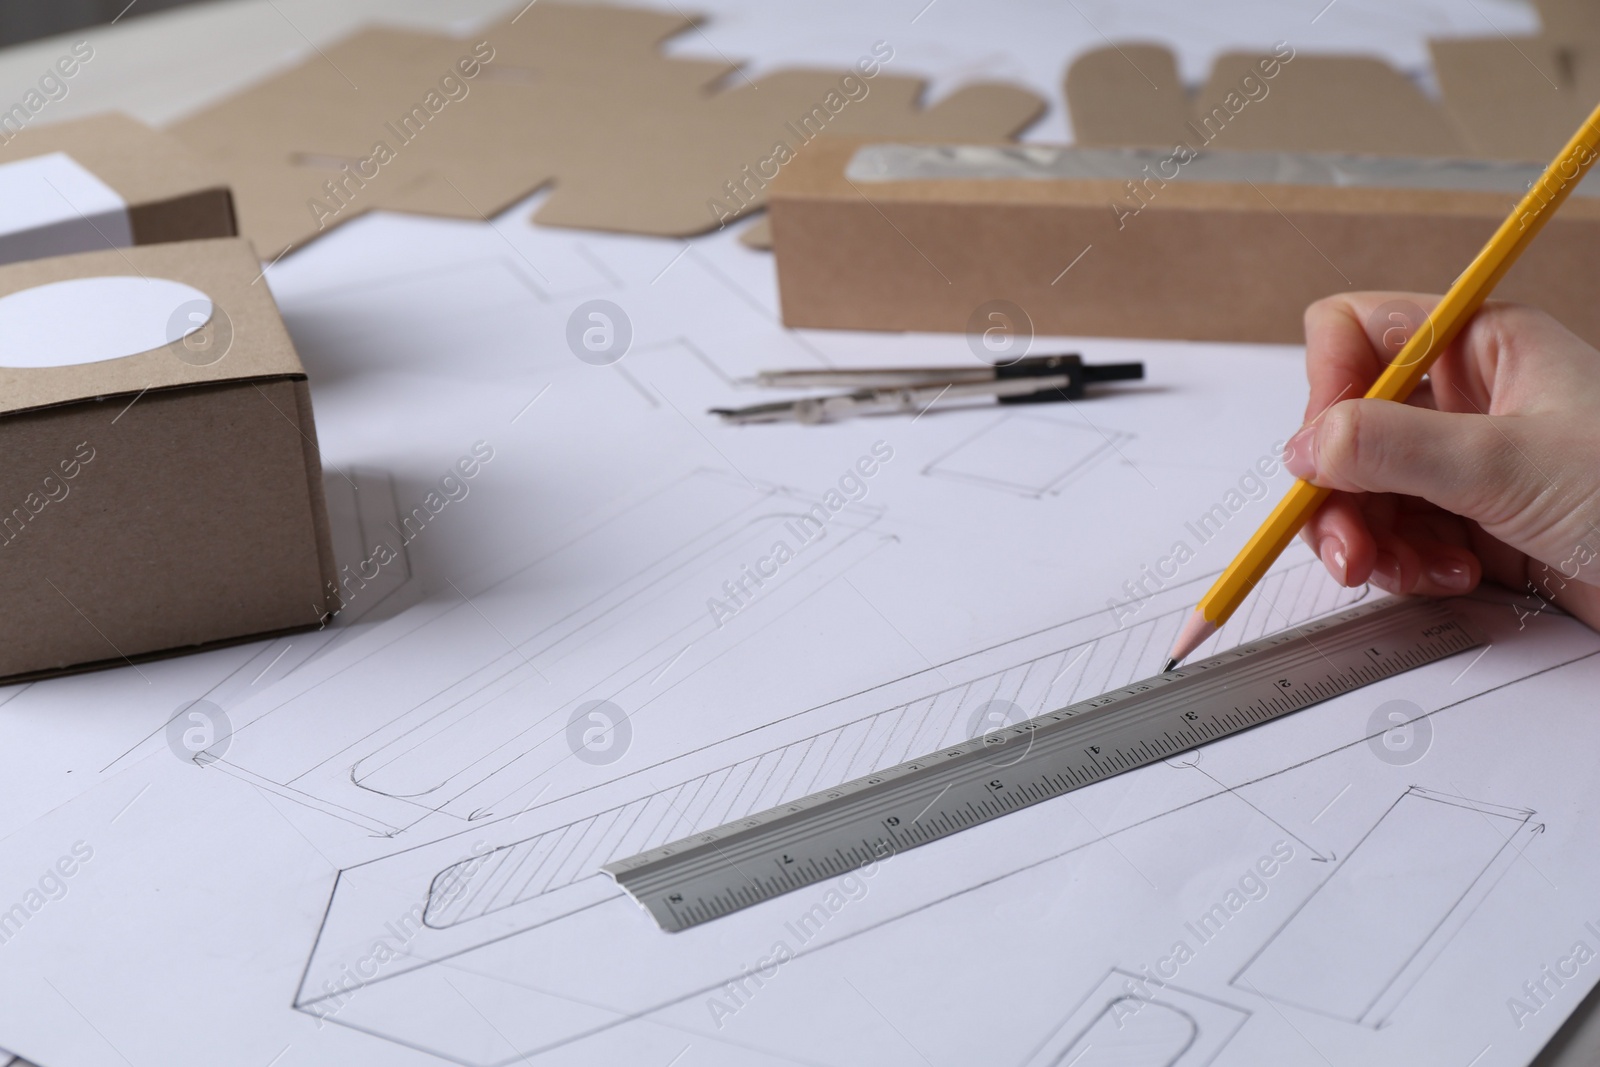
(688, 881)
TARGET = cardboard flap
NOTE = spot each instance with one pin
(575, 35)
(1324, 104)
(574, 95)
(352, 86)
(972, 113)
(1572, 22)
(1501, 97)
(1129, 95)
(139, 162)
(712, 161)
(1516, 99)
(982, 111)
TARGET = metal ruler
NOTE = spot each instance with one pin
(715, 872)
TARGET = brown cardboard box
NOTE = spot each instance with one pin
(105, 181)
(159, 501)
(1199, 260)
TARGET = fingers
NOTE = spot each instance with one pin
(1515, 359)
(1501, 562)
(1395, 566)
(1384, 540)
(1440, 570)
(1509, 358)
(1348, 344)
(1338, 534)
(1501, 433)
(1398, 566)
(1467, 464)
(1440, 544)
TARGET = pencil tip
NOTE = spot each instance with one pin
(1191, 636)
(1171, 663)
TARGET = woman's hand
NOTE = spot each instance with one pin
(1491, 470)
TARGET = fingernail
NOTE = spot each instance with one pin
(1299, 454)
(1334, 558)
(1386, 573)
(1452, 575)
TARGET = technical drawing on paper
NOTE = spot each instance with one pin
(1435, 857)
(1123, 1022)
(362, 511)
(537, 870)
(470, 747)
(1030, 455)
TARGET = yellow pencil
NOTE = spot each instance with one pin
(1463, 300)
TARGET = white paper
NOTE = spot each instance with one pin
(54, 207)
(576, 565)
(231, 906)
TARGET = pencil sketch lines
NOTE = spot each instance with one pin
(1436, 856)
(1028, 455)
(1123, 1021)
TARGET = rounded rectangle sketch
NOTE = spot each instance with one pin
(1128, 1020)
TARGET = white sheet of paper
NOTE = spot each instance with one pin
(308, 895)
(55, 206)
(305, 889)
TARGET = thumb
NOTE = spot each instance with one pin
(1464, 463)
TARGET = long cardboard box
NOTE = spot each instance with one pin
(1146, 243)
(160, 486)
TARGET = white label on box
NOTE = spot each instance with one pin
(90, 320)
(53, 207)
